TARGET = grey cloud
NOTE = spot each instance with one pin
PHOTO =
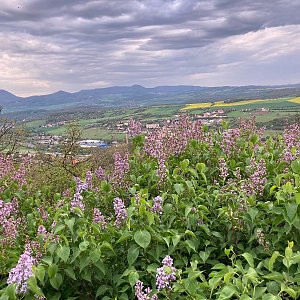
(73, 44)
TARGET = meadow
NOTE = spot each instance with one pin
(183, 212)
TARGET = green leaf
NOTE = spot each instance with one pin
(52, 270)
(184, 164)
(83, 245)
(296, 166)
(272, 260)
(201, 167)
(227, 292)
(70, 223)
(291, 211)
(56, 281)
(32, 286)
(107, 245)
(142, 238)
(63, 252)
(70, 272)
(102, 289)
(47, 259)
(10, 291)
(133, 278)
(179, 188)
(40, 273)
(132, 254)
(249, 259)
(253, 213)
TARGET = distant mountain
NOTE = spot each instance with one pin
(137, 95)
(7, 98)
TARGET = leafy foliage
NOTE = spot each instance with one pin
(221, 222)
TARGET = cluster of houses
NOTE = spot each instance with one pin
(60, 123)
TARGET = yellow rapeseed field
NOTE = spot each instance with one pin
(222, 104)
(295, 100)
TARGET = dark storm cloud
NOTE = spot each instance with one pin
(74, 44)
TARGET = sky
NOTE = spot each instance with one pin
(51, 45)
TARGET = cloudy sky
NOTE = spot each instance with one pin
(50, 45)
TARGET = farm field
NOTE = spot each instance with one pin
(103, 125)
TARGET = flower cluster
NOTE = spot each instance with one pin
(229, 141)
(134, 128)
(80, 187)
(223, 168)
(100, 173)
(23, 270)
(7, 167)
(172, 139)
(98, 218)
(120, 212)
(165, 274)
(157, 205)
(291, 137)
(8, 222)
(257, 179)
(143, 294)
(248, 127)
(121, 168)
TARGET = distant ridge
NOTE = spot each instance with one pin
(136, 95)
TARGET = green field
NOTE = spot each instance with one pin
(102, 124)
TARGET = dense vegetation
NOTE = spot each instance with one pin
(189, 213)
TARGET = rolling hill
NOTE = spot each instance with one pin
(136, 95)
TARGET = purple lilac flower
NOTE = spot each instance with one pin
(291, 137)
(89, 179)
(23, 270)
(229, 139)
(165, 274)
(121, 168)
(134, 128)
(143, 294)
(77, 202)
(172, 139)
(100, 173)
(41, 230)
(98, 218)
(43, 213)
(223, 168)
(8, 221)
(120, 212)
(157, 205)
(257, 179)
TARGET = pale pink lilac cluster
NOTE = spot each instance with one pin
(98, 218)
(229, 141)
(80, 187)
(43, 213)
(223, 168)
(100, 173)
(248, 127)
(257, 180)
(19, 174)
(291, 137)
(9, 223)
(157, 205)
(172, 139)
(120, 212)
(142, 293)
(89, 179)
(23, 270)
(165, 274)
(134, 128)
(121, 168)
(47, 235)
